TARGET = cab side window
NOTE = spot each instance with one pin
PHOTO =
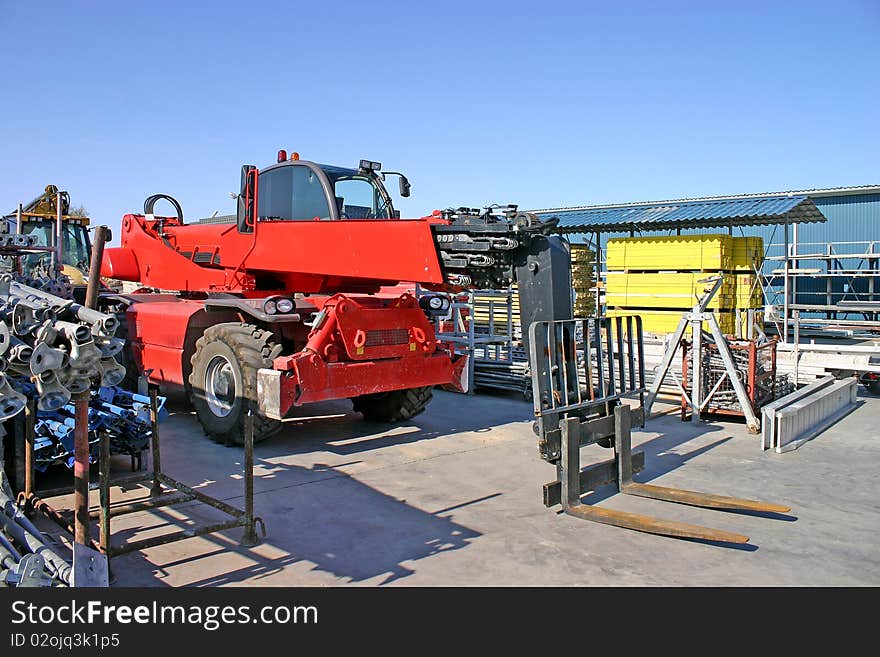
(309, 200)
(292, 193)
(276, 194)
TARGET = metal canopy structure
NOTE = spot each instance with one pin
(678, 215)
(689, 214)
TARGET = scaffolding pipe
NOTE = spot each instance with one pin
(795, 263)
(785, 285)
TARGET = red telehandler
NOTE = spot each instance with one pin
(278, 306)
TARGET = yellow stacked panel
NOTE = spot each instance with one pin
(666, 290)
(666, 321)
(748, 254)
(582, 279)
(748, 291)
(672, 253)
(658, 277)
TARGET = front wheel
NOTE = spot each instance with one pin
(224, 379)
(394, 406)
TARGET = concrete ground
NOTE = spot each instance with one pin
(453, 498)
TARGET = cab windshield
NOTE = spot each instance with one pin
(74, 243)
(357, 195)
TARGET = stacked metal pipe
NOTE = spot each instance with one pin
(58, 344)
(26, 558)
(121, 416)
(46, 280)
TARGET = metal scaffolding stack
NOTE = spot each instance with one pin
(833, 285)
(754, 363)
(53, 352)
(486, 325)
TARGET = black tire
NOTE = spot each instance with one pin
(240, 350)
(873, 386)
(394, 406)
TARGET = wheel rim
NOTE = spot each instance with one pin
(220, 386)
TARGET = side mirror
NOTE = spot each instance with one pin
(404, 187)
(246, 216)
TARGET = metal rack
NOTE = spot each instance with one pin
(755, 366)
(90, 558)
(851, 275)
(494, 346)
(162, 491)
(696, 317)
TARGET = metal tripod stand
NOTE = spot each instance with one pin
(695, 319)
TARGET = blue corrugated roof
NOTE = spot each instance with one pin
(756, 211)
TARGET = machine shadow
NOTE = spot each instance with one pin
(345, 528)
(334, 427)
(317, 513)
(340, 526)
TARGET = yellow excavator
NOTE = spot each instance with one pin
(40, 218)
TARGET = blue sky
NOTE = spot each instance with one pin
(541, 104)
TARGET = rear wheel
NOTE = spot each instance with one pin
(873, 386)
(224, 378)
(393, 406)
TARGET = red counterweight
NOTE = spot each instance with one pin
(357, 346)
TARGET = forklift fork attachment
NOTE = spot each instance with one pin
(706, 500)
(571, 484)
(623, 451)
(651, 525)
(579, 371)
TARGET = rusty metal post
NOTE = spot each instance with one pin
(156, 488)
(250, 533)
(697, 364)
(81, 526)
(17, 473)
(30, 419)
(753, 374)
(81, 469)
(94, 284)
(104, 474)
